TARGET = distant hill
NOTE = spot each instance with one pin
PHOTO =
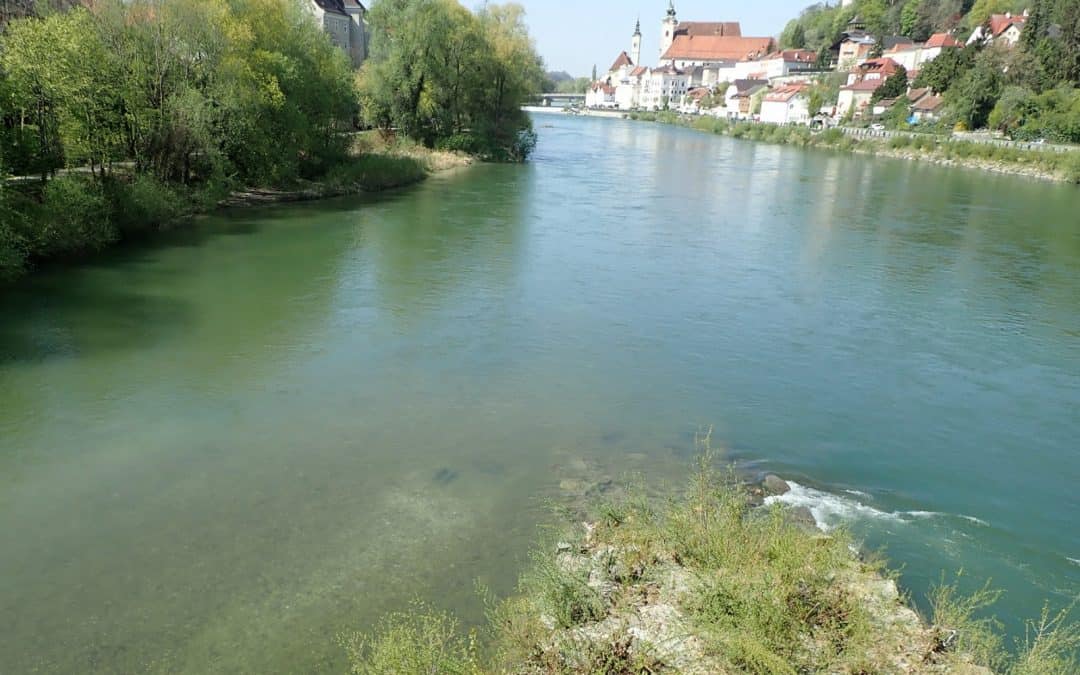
(558, 76)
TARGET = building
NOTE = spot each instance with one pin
(854, 45)
(789, 104)
(867, 77)
(913, 56)
(663, 87)
(687, 44)
(600, 95)
(739, 97)
(788, 62)
(1001, 29)
(925, 105)
(345, 21)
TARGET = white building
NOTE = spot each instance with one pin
(345, 22)
(913, 56)
(789, 104)
(1001, 29)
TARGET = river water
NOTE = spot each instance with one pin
(219, 451)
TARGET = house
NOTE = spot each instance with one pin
(600, 95)
(1000, 29)
(344, 21)
(628, 89)
(663, 87)
(854, 45)
(739, 97)
(787, 62)
(789, 104)
(913, 56)
(925, 105)
(868, 76)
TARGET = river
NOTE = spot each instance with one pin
(220, 450)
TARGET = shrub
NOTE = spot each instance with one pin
(143, 204)
(419, 641)
(1071, 167)
(376, 172)
(72, 218)
(12, 246)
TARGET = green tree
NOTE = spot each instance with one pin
(447, 77)
(973, 96)
(895, 86)
(1011, 110)
(946, 69)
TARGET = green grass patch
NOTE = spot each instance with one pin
(373, 172)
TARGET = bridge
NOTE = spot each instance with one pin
(548, 100)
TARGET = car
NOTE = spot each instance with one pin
(877, 127)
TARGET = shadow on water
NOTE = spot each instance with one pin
(50, 319)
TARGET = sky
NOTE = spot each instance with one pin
(572, 35)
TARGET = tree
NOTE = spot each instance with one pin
(947, 68)
(447, 77)
(973, 96)
(895, 86)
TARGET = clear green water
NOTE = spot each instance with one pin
(219, 451)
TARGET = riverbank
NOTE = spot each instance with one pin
(725, 580)
(377, 165)
(75, 215)
(1061, 167)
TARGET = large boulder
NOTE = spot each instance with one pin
(775, 485)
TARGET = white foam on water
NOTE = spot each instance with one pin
(1074, 561)
(858, 493)
(831, 510)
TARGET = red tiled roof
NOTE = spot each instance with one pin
(999, 23)
(698, 93)
(942, 40)
(622, 60)
(928, 103)
(717, 48)
(794, 55)
(883, 65)
(701, 28)
(604, 87)
(865, 85)
(786, 93)
(640, 70)
(916, 94)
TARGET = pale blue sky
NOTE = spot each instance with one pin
(572, 35)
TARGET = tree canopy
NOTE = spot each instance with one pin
(447, 77)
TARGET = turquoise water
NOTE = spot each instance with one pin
(219, 451)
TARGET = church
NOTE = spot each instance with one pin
(691, 54)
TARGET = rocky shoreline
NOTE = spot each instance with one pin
(645, 618)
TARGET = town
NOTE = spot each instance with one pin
(711, 68)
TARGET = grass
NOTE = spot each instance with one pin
(373, 172)
(758, 593)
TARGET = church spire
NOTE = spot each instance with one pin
(637, 27)
(671, 8)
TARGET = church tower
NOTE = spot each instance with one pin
(635, 45)
(667, 28)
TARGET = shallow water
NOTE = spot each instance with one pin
(218, 452)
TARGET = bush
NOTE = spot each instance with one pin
(12, 245)
(419, 641)
(144, 204)
(376, 172)
(72, 218)
(1071, 167)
